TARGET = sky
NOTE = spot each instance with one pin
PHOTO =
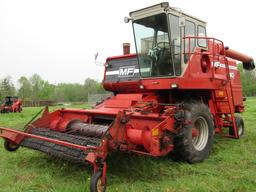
(57, 39)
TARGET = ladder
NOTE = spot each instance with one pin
(224, 106)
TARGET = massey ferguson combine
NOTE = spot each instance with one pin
(172, 96)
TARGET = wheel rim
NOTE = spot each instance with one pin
(199, 142)
(100, 187)
(240, 130)
(12, 145)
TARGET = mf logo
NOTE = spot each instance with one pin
(126, 71)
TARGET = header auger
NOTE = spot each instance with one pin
(173, 95)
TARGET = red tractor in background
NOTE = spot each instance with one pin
(11, 104)
(171, 97)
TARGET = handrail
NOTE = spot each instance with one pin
(217, 51)
(214, 40)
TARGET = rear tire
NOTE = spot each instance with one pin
(199, 123)
(95, 185)
(240, 127)
(10, 146)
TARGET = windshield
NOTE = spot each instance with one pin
(153, 47)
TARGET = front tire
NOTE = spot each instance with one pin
(10, 146)
(96, 185)
(194, 141)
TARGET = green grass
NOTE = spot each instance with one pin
(230, 167)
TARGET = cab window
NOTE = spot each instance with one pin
(176, 42)
(190, 31)
(201, 32)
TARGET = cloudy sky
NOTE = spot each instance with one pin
(58, 38)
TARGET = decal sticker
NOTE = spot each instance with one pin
(126, 71)
(217, 64)
(232, 75)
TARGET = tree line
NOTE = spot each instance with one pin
(35, 88)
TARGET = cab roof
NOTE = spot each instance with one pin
(160, 8)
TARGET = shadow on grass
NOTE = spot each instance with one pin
(121, 167)
(132, 167)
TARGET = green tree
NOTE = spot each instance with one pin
(248, 79)
(69, 92)
(25, 88)
(91, 86)
(7, 87)
(37, 85)
(47, 92)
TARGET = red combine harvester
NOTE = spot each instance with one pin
(180, 89)
(11, 104)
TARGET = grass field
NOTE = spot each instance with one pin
(230, 167)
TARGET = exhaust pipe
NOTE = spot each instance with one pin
(126, 48)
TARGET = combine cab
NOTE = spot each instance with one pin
(172, 96)
(11, 104)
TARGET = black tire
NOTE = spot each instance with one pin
(96, 183)
(10, 146)
(195, 149)
(240, 126)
